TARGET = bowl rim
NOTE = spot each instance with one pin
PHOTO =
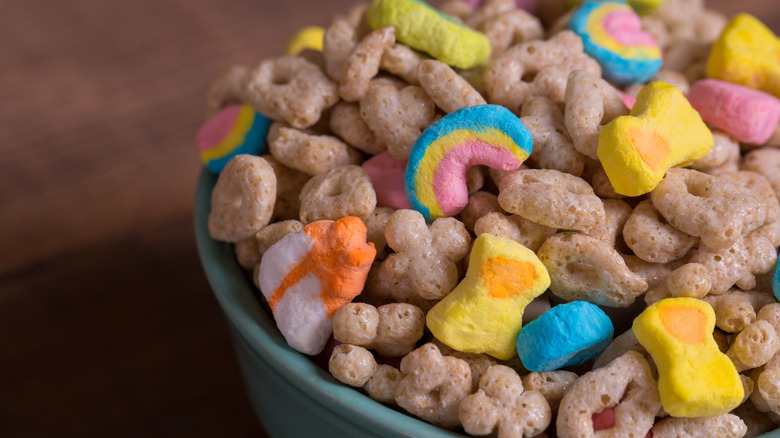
(235, 295)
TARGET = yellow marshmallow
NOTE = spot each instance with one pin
(307, 38)
(694, 378)
(484, 313)
(747, 53)
(662, 131)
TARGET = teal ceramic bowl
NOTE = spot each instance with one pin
(292, 396)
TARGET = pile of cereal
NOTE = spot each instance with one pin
(521, 219)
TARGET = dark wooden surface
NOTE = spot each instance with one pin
(107, 324)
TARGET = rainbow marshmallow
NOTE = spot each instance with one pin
(234, 130)
(435, 178)
(612, 34)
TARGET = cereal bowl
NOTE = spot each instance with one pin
(290, 393)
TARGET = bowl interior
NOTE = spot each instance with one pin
(257, 330)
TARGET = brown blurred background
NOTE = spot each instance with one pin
(107, 323)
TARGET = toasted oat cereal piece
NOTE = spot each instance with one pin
(351, 364)
(375, 224)
(652, 239)
(770, 232)
(457, 9)
(709, 207)
(446, 87)
(617, 213)
(433, 386)
(515, 26)
(626, 384)
(402, 61)
(291, 89)
(590, 104)
(754, 346)
(551, 384)
(689, 280)
(337, 44)
(392, 329)
(243, 199)
(723, 156)
(381, 386)
(771, 314)
(356, 324)
(480, 204)
(738, 264)
(362, 64)
(584, 268)
(551, 198)
(345, 121)
(427, 255)
(765, 161)
(768, 385)
(757, 422)
(397, 117)
(552, 147)
(653, 273)
(309, 153)
(478, 363)
(726, 426)
(288, 186)
(250, 251)
(521, 230)
(226, 89)
(501, 403)
(733, 310)
(760, 186)
(343, 191)
(548, 62)
(489, 9)
(384, 286)
(619, 346)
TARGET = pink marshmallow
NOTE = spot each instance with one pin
(749, 115)
(387, 176)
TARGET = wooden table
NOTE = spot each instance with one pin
(107, 324)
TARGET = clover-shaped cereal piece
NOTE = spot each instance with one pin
(243, 199)
(351, 364)
(547, 62)
(551, 384)
(512, 27)
(345, 121)
(426, 255)
(695, 378)
(552, 147)
(523, 231)
(725, 426)
(392, 329)
(309, 153)
(653, 239)
(754, 346)
(551, 198)
(617, 213)
(738, 264)
(761, 187)
(291, 89)
(433, 385)
(500, 403)
(343, 191)
(586, 268)
(723, 157)
(478, 362)
(446, 87)
(397, 117)
(362, 64)
(765, 161)
(226, 89)
(288, 187)
(708, 207)
(590, 104)
(484, 313)
(626, 385)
